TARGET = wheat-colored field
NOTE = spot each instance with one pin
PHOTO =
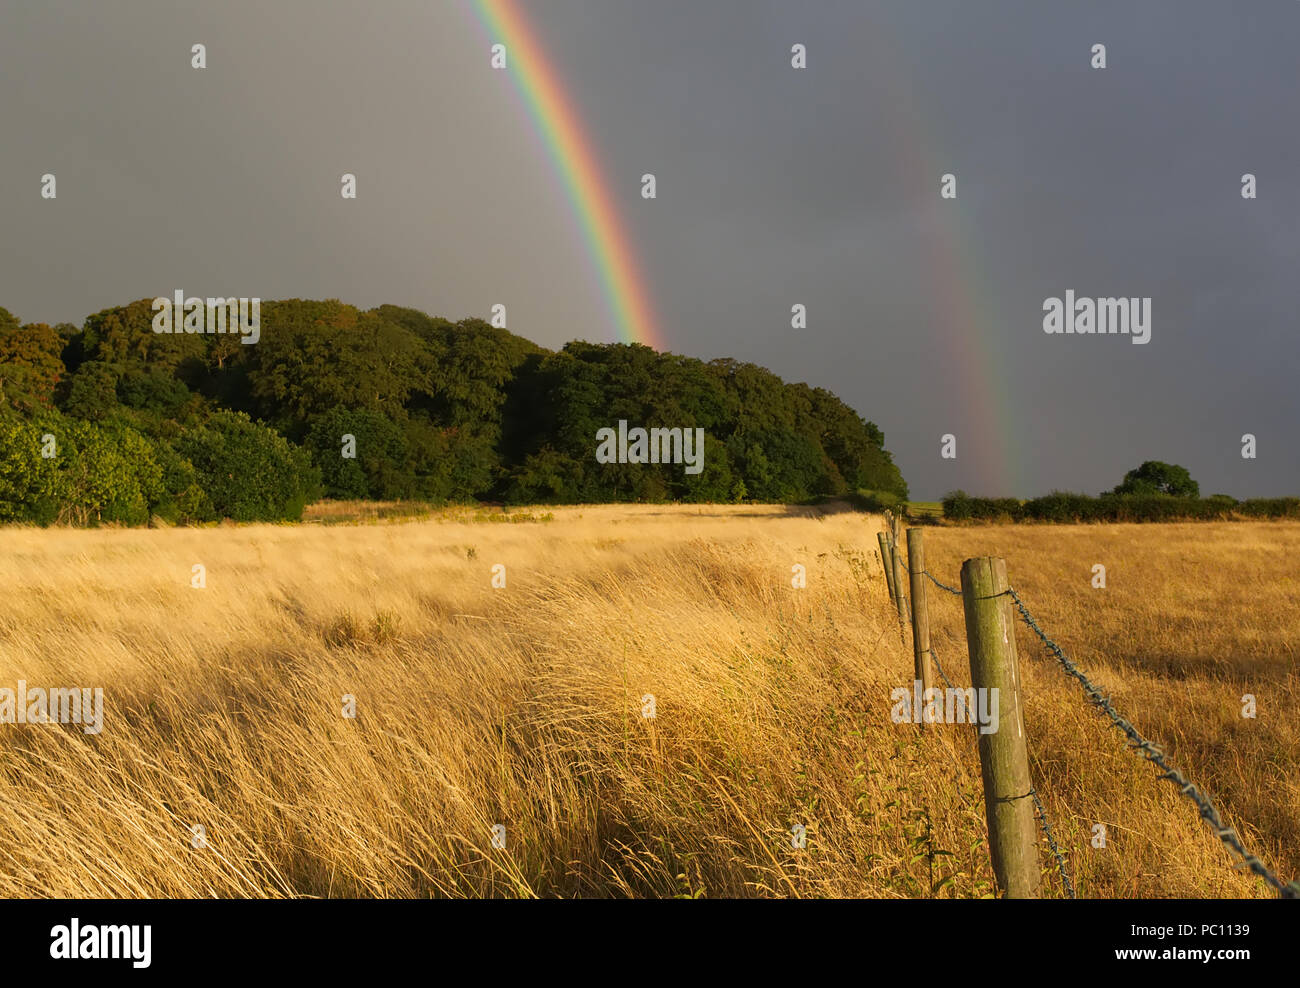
(522, 707)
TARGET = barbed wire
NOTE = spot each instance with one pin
(1155, 754)
(935, 659)
(1051, 841)
(1148, 749)
(1042, 810)
(941, 586)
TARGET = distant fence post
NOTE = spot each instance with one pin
(920, 611)
(1004, 759)
(900, 597)
(887, 561)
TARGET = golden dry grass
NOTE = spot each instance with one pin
(522, 706)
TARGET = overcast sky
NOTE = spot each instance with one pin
(776, 186)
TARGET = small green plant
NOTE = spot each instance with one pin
(923, 847)
(346, 629)
(688, 889)
(384, 627)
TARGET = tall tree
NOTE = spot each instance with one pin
(1154, 477)
(30, 363)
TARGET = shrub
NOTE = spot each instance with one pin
(997, 509)
(1061, 506)
(545, 477)
(957, 506)
(250, 472)
(1271, 507)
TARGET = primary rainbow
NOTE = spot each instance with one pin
(575, 160)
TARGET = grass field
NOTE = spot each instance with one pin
(925, 509)
(522, 706)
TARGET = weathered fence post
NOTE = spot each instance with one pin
(1004, 759)
(920, 612)
(900, 597)
(886, 560)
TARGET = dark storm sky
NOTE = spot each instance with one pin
(775, 186)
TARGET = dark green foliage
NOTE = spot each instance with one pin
(960, 506)
(1062, 507)
(194, 427)
(92, 391)
(1154, 477)
(720, 481)
(249, 472)
(152, 391)
(125, 333)
(183, 498)
(380, 468)
(197, 427)
(30, 364)
(764, 439)
(546, 477)
(782, 465)
(1271, 507)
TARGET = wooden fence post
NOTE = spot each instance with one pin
(920, 611)
(887, 561)
(1004, 759)
(900, 597)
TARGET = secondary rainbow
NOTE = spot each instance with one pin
(977, 356)
(574, 156)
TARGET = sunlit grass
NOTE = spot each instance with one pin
(522, 706)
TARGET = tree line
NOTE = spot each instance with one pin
(112, 422)
(1154, 491)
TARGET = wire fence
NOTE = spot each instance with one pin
(1042, 811)
(935, 659)
(1148, 749)
(941, 586)
(1155, 754)
(1051, 842)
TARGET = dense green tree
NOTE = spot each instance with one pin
(1154, 477)
(152, 391)
(92, 391)
(379, 466)
(546, 477)
(124, 336)
(112, 473)
(193, 427)
(31, 363)
(31, 487)
(248, 471)
(313, 357)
